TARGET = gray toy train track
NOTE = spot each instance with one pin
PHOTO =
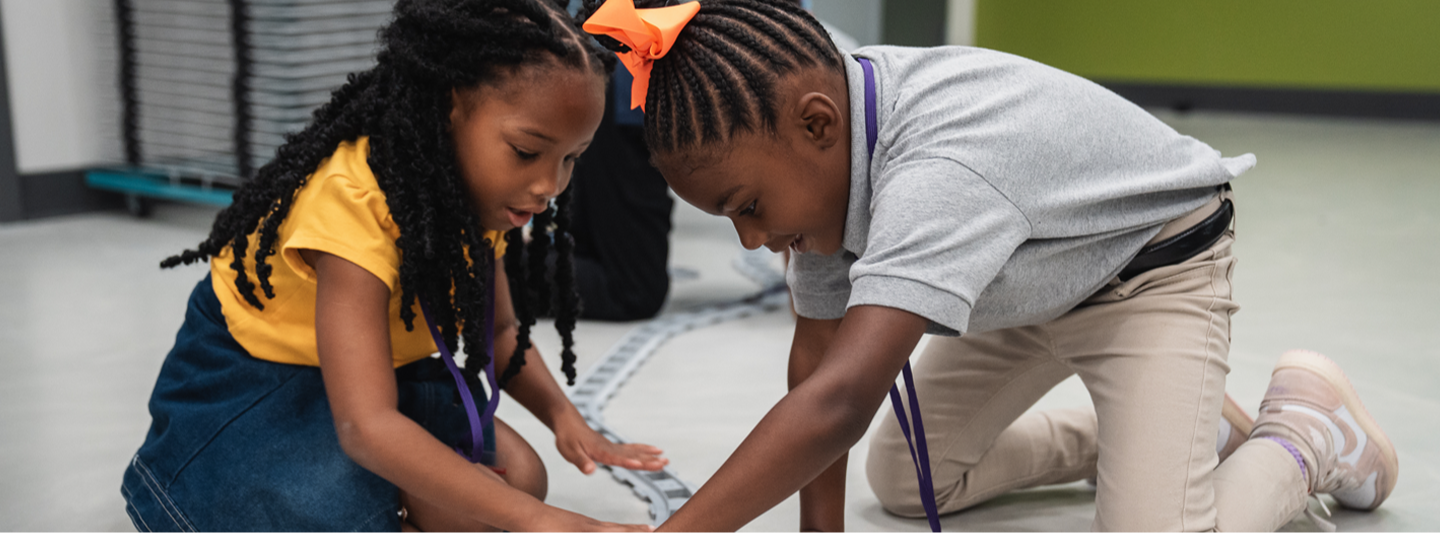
(664, 490)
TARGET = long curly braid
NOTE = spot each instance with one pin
(568, 305)
(429, 50)
(536, 289)
(720, 77)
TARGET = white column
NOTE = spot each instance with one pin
(960, 22)
(859, 18)
(62, 90)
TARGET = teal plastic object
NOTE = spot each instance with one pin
(150, 185)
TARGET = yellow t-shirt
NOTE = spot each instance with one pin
(340, 210)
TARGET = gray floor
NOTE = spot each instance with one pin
(1339, 235)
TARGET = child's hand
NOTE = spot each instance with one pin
(583, 447)
(568, 521)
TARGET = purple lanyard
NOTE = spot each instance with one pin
(920, 457)
(478, 421)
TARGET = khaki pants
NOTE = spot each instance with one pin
(1151, 351)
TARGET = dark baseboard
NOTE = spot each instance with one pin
(1409, 106)
(50, 194)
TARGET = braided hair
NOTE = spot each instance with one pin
(428, 51)
(720, 78)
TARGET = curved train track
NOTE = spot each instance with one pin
(664, 490)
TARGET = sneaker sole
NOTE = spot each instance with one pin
(1331, 373)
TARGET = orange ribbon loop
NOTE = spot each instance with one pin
(648, 32)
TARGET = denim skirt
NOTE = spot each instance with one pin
(242, 444)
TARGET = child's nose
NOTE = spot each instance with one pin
(549, 185)
(751, 237)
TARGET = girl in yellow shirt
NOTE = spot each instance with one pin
(300, 394)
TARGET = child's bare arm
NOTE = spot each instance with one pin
(536, 389)
(812, 426)
(822, 502)
(352, 332)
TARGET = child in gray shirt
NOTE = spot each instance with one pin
(1043, 225)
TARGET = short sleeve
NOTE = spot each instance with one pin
(820, 284)
(336, 215)
(497, 240)
(938, 235)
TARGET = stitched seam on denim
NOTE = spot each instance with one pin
(135, 518)
(237, 416)
(364, 526)
(145, 480)
(184, 521)
(151, 485)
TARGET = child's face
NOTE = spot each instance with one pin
(787, 190)
(516, 142)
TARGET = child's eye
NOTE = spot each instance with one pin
(524, 155)
(749, 209)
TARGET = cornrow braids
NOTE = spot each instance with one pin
(430, 50)
(721, 76)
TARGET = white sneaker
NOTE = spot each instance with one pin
(1311, 404)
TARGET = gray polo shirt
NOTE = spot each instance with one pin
(1002, 193)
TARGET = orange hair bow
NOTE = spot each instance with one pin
(648, 32)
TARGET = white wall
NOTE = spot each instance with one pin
(63, 94)
(860, 19)
(960, 22)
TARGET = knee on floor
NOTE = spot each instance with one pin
(893, 481)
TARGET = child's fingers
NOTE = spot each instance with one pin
(652, 465)
(633, 527)
(575, 453)
(642, 452)
(634, 457)
(584, 463)
(584, 453)
(585, 523)
(647, 448)
(608, 526)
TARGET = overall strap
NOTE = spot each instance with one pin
(478, 420)
(919, 453)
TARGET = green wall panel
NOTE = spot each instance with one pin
(1367, 45)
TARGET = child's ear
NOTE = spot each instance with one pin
(459, 108)
(821, 119)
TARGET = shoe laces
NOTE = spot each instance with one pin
(1324, 525)
(1334, 479)
(1331, 478)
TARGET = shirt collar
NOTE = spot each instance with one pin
(857, 217)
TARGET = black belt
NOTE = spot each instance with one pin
(1186, 244)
